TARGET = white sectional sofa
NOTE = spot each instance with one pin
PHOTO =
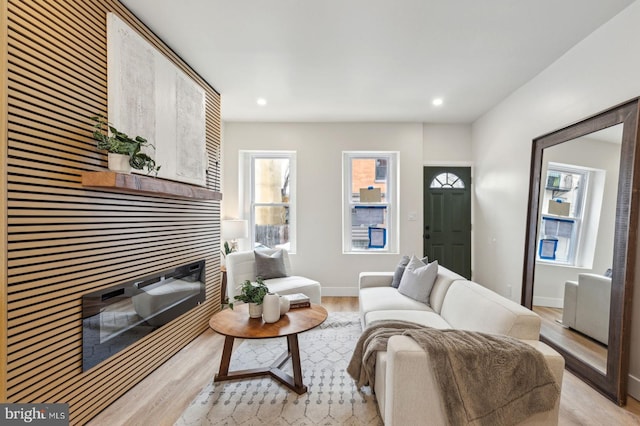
(241, 266)
(405, 386)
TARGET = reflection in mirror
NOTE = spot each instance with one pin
(572, 284)
(580, 223)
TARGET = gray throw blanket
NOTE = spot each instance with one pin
(486, 379)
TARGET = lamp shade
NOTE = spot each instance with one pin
(232, 229)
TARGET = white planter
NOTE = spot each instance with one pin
(285, 305)
(271, 308)
(255, 310)
(119, 163)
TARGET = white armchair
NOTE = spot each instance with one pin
(241, 266)
(586, 306)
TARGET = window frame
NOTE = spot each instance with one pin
(391, 200)
(446, 185)
(582, 194)
(247, 180)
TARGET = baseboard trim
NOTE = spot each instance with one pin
(633, 387)
(550, 302)
(340, 291)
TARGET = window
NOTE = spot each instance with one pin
(269, 197)
(370, 202)
(381, 170)
(564, 196)
(447, 181)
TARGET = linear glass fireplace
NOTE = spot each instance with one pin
(116, 317)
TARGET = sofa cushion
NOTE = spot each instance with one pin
(444, 279)
(387, 298)
(295, 284)
(470, 306)
(270, 265)
(426, 318)
(418, 279)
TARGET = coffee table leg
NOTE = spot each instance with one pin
(226, 357)
(294, 350)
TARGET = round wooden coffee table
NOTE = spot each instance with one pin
(235, 323)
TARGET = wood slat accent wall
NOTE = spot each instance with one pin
(63, 240)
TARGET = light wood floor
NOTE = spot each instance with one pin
(586, 348)
(161, 398)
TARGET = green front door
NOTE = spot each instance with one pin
(447, 217)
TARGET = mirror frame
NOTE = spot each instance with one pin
(613, 384)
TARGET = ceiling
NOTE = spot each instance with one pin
(369, 60)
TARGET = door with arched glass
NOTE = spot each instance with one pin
(447, 217)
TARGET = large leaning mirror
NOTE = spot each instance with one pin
(581, 243)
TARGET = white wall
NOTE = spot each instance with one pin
(447, 144)
(599, 72)
(319, 149)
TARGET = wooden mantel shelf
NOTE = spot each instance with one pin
(146, 184)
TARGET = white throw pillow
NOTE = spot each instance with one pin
(418, 279)
(397, 275)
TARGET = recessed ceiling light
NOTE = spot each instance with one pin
(261, 101)
(437, 101)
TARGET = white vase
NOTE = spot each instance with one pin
(119, 163)
(255, 310)
(285, 305)
(271, 308)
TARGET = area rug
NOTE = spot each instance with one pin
(331, 399)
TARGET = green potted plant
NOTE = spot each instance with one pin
(253, 294)
(119, 144)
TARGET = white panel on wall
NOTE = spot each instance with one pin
(150, 97)
(190, 130)
(131, 80)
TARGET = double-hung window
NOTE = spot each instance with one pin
(370, 188)
(564, 195)
(268, 186)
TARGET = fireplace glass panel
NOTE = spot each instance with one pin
(118, 316)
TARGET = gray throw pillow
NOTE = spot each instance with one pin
(397, 274)
(418, 279)
(270, 266)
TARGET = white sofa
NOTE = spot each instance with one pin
(405, 386)
(241, 266)
(586, 306)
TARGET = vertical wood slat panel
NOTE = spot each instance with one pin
(3, 199)
(62, 240)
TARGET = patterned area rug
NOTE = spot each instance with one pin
(331, 399)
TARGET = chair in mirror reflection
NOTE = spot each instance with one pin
(586, 306)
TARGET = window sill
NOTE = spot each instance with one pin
(380, 251)
(562, 265)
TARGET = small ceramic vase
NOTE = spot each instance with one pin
(119, 163)
(255, 310)
(284, 305)
(271, 308)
